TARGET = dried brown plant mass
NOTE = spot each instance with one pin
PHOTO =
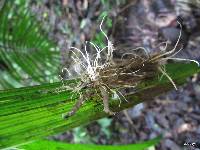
(108, 75)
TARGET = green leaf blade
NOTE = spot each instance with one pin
(31, 113)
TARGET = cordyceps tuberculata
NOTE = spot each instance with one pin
(105, 75)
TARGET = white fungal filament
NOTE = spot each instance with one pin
(92, 67)
(93, 70)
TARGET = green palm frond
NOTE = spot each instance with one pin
(31, 113)
(44, 144)
(27, 56)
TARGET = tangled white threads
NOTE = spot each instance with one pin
(91, 67)
(91, 70)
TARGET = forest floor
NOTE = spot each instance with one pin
(175, 115)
